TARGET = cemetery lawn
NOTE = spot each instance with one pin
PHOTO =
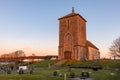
(110, 71)
(47, 74)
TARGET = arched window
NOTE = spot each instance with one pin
(68, 38)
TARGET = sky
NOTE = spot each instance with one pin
(32, 25)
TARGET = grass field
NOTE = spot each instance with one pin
(45, 73)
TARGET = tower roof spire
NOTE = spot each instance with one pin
(73, 10)
(72, 14)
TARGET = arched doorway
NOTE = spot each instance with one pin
(67, 55)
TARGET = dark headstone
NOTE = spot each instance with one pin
(31, 71)
(12, 67)
(1, 68)
(95, 68)
(72, 74)
(8, 71)
(21, 71)
(55, 73)
(85, 75)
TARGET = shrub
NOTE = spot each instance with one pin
(55, 73)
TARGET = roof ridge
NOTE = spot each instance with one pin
(91, 44)
(72, 14)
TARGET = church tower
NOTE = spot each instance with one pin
(72, 37)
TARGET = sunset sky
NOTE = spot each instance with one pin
(32, 25)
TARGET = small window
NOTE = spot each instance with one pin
(68, 37)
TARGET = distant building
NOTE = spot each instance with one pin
(73, 44)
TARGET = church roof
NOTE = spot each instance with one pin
(91, 44)
(71, 15)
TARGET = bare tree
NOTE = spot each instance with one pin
(32, 57)
(19, 54)
(115, 48)
(14, 56)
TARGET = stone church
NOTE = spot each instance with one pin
(73, 44)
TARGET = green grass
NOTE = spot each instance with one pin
(44, 63)
(46, 73)
(110, 63)
(102, 63)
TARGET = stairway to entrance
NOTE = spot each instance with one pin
(59, 63)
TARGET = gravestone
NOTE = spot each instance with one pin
(95, 68)
(72, 74)
(8, 71)
(95, 62)
(31, 71)
(21, 71)
(60, 75)
(85, 75)
(55, 73)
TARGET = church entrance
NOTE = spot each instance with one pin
(67, 55)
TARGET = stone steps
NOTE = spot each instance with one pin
(59, 63)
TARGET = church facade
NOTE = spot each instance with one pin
(73, 44)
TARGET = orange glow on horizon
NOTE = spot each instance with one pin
(30, 51)
(42, 52)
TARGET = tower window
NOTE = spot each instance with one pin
(68, 37)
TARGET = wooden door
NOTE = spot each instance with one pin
(67, 55)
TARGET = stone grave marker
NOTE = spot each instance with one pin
(85, 75)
